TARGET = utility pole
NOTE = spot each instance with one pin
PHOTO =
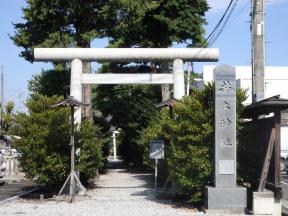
(258, 51)
(2, 95)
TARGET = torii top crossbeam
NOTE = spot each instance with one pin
(77, 55)
(126, 54)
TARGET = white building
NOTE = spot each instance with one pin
(276, 80)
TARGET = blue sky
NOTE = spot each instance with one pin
(234, 42)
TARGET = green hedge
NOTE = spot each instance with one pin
(44, 143)
(188, 136)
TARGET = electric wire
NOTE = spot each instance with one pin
(212, 41)
(240, 11)
(218, 24)
(218, 29)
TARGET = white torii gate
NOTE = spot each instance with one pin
(77, 55)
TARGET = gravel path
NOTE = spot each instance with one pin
(120, 192)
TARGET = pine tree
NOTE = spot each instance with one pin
(127, 23)
(158, 23)
(59, 23)
(144, 23)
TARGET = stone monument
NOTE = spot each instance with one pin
(225, 196)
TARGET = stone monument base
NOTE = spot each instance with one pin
(265, 204)
(225, 200)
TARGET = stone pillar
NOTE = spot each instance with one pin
(225, 126)
(225, 195)
(76, 85)
(114, 146)
(178, 79)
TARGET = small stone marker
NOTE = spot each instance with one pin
(225, 195)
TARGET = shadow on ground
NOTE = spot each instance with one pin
(162, 196)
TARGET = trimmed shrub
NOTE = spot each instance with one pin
(44, 143)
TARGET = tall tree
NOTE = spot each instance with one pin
(146, 23)
(158, 23)
(127, 23)
(59, 23)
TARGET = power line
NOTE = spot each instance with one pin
(218, 29)
(243, 8)
(218, 24)
(224, 23)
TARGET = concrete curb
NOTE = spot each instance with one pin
(17, 196)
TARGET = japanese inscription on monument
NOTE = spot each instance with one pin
(225, 126)
(225, 194)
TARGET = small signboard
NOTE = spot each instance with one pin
(157, 149)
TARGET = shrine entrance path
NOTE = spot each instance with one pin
(130, 191)
(123, 190)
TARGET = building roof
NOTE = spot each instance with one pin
(168, 103)
(266, 106)
(69, 102)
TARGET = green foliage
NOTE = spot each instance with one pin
(90, 159)
(131, 108)
(188, 135)
(8, 117)
(44, 143)
(145, 23)
(9, 106)
(127, 23)
(152, 23)
(57, 23)
(51, 82)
